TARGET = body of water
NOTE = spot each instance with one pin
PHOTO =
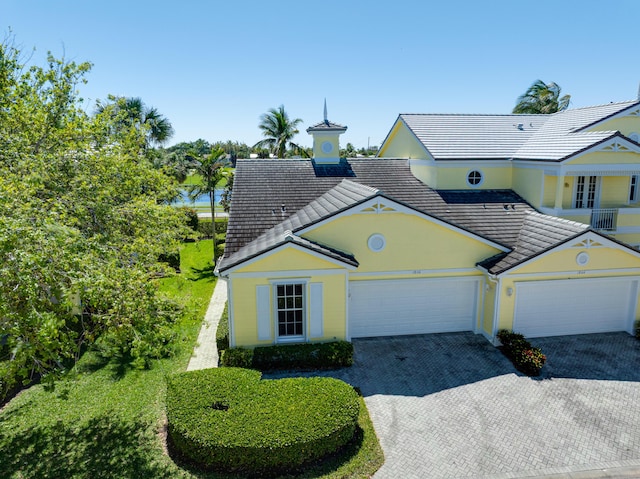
(201, 201)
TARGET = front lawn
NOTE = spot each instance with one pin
(107, 420)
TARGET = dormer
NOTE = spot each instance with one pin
(326, 140)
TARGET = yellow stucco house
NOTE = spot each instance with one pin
(463, 223)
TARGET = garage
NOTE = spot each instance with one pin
(412, 306)
(580, 306)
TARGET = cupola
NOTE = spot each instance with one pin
(326, 140)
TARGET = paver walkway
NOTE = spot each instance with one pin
(205, 354)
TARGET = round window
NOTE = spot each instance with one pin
(474, 178)
(582, 258)
(376, 242)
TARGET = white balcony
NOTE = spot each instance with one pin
(604, 219)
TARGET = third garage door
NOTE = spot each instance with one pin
(411, 306)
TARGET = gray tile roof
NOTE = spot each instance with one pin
(258, 220)
(538, 234)
(326, 125)
(340, 197)
(540, 137)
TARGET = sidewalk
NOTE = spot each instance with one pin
(205, 354)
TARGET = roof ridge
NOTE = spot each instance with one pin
(557, 219)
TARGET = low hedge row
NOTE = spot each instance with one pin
(307, 356)
(525, 357)
(229, 420)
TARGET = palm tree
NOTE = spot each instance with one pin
(542, 98)
(212, 170)
(278, 131)
(132, 112)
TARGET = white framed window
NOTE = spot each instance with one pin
(633, 189)
(475, 178)
(290, 310)
(586, 194)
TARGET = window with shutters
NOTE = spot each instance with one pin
(290, 307)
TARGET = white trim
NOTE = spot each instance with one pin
(496, 310)
(626, 230)
(414, 272)
(232, 329)
(294, 273)
(584, 274)
(629, 211)
(621, 114)
(283, 246)
(473, 164)
(479, 305)
(613, 142)
(372, 202)
(347, 302)
(569, 244)
(305, 310)
(479, 183)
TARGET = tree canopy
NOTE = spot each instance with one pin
(84, 217)
(542, 97)
(278, 130)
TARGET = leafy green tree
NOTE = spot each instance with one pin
(133, 113)
(84, 217)
(225, 198)
(278, 130)
(541, 97)
(212, 169)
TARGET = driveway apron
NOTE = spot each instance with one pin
(451, 406)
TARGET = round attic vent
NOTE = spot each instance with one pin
(376, 242)
(582, 258)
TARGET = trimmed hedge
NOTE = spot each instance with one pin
(525, 357)
(229, 420)
(206, 229)
(307, 356)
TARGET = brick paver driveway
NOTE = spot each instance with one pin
(450, 405)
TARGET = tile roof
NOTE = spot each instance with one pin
(326, 125)
(273, 196)
(538, 234)
(340, 197)
(539, 137)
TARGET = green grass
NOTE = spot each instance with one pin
(106, 420)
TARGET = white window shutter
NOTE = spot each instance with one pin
(263, 306)
(316, 310)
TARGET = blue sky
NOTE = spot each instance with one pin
(213, 67)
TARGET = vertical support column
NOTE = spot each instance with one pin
(559, 192)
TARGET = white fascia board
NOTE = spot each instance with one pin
(588, 275)
(632, 110)
(398, 208)
(471, 163)
(282, 247)
(621, 140)
(571, 244)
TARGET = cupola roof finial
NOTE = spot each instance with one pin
(326, 120)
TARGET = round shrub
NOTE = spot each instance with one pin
(229, 420)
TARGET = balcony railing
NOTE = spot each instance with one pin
(604, 219)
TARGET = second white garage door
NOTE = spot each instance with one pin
(411, 306)
(561, 307)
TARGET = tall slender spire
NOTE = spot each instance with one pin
(325, 102)
(326, 120)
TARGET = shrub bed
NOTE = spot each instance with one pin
(307, 356)
(230, 420)
(525, 357)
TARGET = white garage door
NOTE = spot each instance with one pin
(556, 308)
(412, 306)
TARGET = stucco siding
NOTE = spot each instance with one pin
(527, 182)
(412, 243)
(402, 143)
(455, 178)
